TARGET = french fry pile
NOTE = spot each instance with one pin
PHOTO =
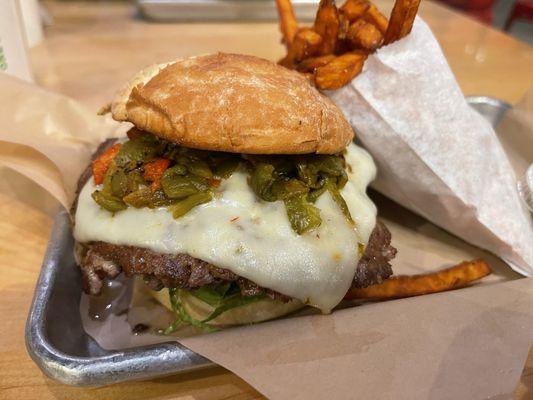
(332, 52)
(455, 277)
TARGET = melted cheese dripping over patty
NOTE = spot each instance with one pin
(250, 237)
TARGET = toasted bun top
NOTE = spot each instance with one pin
(233, 103)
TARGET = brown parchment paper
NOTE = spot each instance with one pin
(524, 390)
(47, 137)
(466, 344)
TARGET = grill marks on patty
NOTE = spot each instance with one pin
(159, 270)
(101, 260)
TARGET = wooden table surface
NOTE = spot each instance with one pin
(89, 51)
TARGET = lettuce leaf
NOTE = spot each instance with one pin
(211, 296)
(234, 301)
(222, 298)
(183, 317)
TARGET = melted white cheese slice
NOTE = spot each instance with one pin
(250, 237)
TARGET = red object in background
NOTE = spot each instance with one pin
(523, 9)
(479, 9)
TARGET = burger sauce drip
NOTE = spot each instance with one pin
(114, 299)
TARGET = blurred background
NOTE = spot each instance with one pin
(512, 16)
(55, 42)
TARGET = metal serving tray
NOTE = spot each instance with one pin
(220, 10)
(55, 338)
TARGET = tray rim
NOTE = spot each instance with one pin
(115, 366)
(488, 100)
(202, 11)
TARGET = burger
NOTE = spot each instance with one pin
(238, 195)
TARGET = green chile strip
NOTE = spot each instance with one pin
(298, 181)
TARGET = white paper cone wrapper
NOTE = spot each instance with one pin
(436, 155)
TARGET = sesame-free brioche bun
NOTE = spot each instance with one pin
(258, 311)
(233, 103)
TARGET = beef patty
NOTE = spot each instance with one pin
(100, 260)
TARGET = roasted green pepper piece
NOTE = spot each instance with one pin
(145, 197)
(138, 150)
(106, 184)
(303, 216)
(308, 173)
(331, 165)
(312, 169)
(285, 168)
(176, 170)
(184, 206)
(135, 180)
(282, 190)
(337, 198)
(108, 202)
(200, 168)
(119, 183)
(177, 185)
(224, 168)
(262, 180)
(315, 194)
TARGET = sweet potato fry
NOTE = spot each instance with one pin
(454, 277)
(327, 25)
(310, 64)
(364, 35)
(333, 51)
(376, 18)
(287, 20)
(105, 109)
(401, 20)
(339, 71)
(344, 25)
(354, 9)
(286, 62)
(306, 44)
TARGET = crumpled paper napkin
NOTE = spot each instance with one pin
(436, 155)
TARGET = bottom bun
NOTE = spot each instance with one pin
(258, 311)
